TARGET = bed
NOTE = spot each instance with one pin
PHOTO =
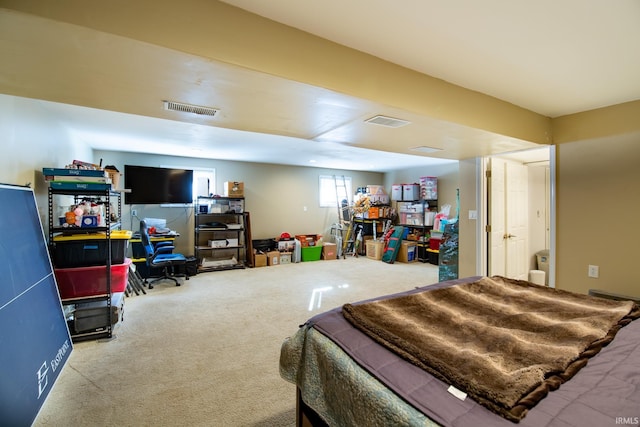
(359, 364)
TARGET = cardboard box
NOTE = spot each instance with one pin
(286, 245)
(233, 189)
(259, 260)
(285, 257)
(373, 213)
(329, 251)
(408, 252)
(374, 249)
(273, 258)
(218, 243)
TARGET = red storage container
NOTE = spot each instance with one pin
(434, 244)
(89, 281)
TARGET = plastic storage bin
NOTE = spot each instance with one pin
(85, 250)
(89, 281)
(311, 253)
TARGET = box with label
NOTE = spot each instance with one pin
(410, 191)
(372, 213)
(374, 249)
(286, 245)
(329, 251)
(396, 192)
(235, 206)
(285, 257)
(273, 258)
(233, 189)
(408, 252)
(218, 243)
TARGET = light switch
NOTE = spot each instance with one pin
(473, 214)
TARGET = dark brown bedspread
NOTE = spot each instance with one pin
(505, 343)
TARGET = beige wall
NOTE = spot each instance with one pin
(275, 195)
(597, 211)
(30, 140)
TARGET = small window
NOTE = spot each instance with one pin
(332, 188)
(204, 182)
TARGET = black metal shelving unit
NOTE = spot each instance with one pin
(105, 196)
(220, 219)
(419, 225)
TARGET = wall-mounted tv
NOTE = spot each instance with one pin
(152, 185)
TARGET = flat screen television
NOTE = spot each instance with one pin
(152, 185)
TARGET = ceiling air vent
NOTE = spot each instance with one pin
(188, 108)
(425, 149)
(389, 122)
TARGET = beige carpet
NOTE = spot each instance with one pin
(206, 353)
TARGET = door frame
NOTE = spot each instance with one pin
(482, 249)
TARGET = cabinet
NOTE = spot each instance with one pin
(91, 308)
(418, 217)
(221, 231)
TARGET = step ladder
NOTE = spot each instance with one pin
(350, 232)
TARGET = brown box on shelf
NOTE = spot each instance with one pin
(233, 189)
(373, 213)
(273, 258)
(329, 251)
(408, 252)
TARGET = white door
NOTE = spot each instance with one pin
(508, 218)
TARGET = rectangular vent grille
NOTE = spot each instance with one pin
(389, 122)
(188, 108)
(425, 149)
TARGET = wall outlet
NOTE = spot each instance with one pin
(594, 271)
(134, 212)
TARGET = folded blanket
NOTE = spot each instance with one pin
(506, 343)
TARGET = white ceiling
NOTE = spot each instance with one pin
(551, 57)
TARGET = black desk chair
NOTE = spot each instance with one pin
(161, 256)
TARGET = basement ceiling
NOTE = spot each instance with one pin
(108, 88)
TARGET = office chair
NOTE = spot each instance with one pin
(161, 256)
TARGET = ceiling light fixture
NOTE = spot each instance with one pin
(189, 108)
(425, 149)
(386, 121)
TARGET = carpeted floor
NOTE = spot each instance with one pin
(206, 353)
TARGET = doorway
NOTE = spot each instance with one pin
(518, 206)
